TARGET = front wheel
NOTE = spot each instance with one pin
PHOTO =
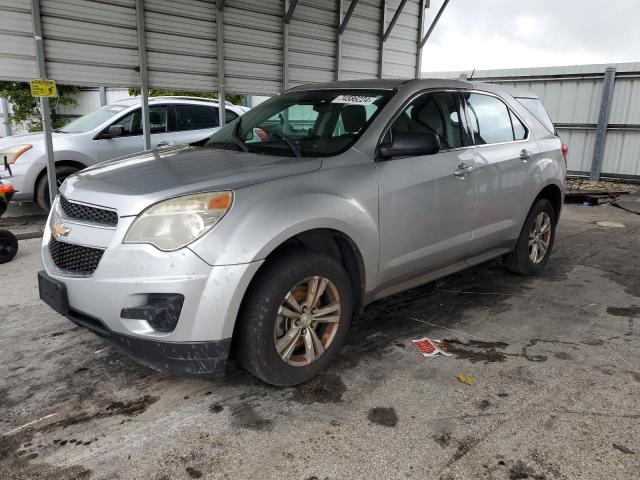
(42, 188)
(8, 246)
(295, 318)
(536, 240)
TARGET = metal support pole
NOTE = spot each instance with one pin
(144, 77)
(44, 101)
(220, 44)
(383, 26)
(394, 19)
(285, 46)
(6, 116)
(603, 123)
(434, 23)
(424, 4)
(339, 39)
(103, 96)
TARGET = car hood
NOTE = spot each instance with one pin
(133, 183)
(27, 139)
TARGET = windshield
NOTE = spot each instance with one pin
(92, 120)
(316, 123)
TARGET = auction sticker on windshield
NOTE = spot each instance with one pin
(354, 99)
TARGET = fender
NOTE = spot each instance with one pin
(267, 215)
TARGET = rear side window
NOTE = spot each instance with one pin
(535, 108)
(195, 117)
(490, 119)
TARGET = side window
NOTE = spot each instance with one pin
(132, 124)
(195, 117)
(490, 119)
(435, 113)
(229, 116)
(519, 130)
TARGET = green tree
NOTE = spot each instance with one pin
(26, 109)
(236, 99)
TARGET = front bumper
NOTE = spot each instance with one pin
(193, 359)
(128, 275)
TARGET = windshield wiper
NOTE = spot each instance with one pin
(236, 137)
(290, 143)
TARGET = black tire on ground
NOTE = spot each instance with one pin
(42, 188)
(518, 260)
(8, 246)
(254, 343)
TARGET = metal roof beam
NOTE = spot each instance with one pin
(393, 20)
(144, 76)
(289, 13)
(347, 17)
(434, 23)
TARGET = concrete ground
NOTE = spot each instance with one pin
(554, 361)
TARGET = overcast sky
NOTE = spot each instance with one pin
(531, 33)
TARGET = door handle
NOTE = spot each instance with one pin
(163, 144)
(463, 169)
(525, 154)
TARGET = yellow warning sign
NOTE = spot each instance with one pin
(43, 88)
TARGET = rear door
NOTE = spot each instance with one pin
(427, 202)
(503, 151)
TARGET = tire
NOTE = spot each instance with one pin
(520, 260)
(261, 326)
(42, 188)
(8, 246)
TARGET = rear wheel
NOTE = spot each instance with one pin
(535, 242)
(42, 188)
(295, 318)
(8, 246)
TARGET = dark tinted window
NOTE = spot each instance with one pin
(132, 123)
(536, 109)
(435, 113)
(195, 117)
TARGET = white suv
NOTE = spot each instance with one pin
(109, 132)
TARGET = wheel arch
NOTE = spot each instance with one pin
(59, 163)
(553, 193)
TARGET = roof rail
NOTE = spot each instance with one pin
(179, 97)
(184, 97)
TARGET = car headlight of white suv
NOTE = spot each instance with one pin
(12, 153)
(175, 223)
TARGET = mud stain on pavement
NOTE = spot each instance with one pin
(386, 417)
(246, 416)
(633, 311)
(325, 388)
(480, 352)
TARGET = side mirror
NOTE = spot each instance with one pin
(113, 131)
(411, 144)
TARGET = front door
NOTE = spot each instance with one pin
(426, 202)
(132, 140)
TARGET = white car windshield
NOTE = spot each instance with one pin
(92, 120)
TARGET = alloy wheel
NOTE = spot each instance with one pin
(540, 237)
(307, 321)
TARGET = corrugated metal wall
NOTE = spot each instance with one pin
(94, 42)
(571, 95)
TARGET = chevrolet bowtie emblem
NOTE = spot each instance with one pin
(58, 230)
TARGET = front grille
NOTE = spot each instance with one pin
(88, 214)
(75, 258)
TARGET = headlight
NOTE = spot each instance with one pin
(175, 223)
(12, 153)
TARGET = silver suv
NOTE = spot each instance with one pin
(287, 222)
(109, 132)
